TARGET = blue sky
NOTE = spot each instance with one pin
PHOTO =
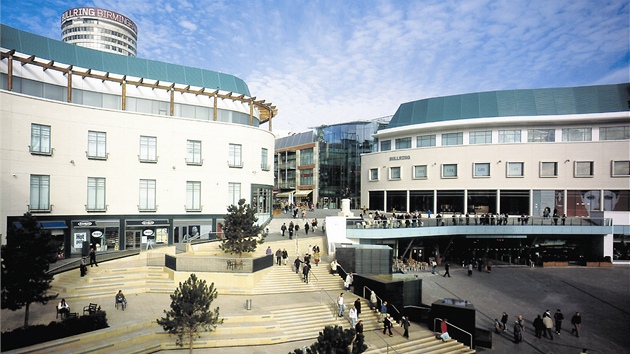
(328, 61)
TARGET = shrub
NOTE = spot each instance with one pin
(27, 336)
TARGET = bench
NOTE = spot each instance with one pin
(90, 309)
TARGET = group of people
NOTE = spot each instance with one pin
(305, 265)
(295, 227)
(543, 325)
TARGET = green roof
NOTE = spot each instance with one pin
(513, 103)
(50, 49)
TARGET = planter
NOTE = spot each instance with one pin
(592, 264)
(556, 264)
(605, 264)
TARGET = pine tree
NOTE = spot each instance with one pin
(242, 235)
(190, 311)
(25, 260)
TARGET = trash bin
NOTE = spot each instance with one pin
(248, 304)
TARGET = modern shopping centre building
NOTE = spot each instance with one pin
(122, 152)
(513, 152)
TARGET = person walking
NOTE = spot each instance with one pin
(296, 264)
(268, 251)
(357, 306)
(306, 227)
(285, 255)
(539, 326)
(383, 312)
(283, 228)
(548, 326)
(518, 334)
(470, 269)
(333, 267)
(404, 323)
(387, 325)
(359, 327)
(279, 257)
(93, 257)
(353, 316)
(433, 266)
(83, 267)
(576, 321)
(348, 282)
(305, 270)
(559, 317)
(373, 301)
(504, 319)
(447, 267)
(341, 305)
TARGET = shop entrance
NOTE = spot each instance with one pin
(133, 239)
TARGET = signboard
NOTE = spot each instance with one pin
(79, 238)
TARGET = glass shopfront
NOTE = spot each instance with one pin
(143, 234)
(103, 235)
(186, 230)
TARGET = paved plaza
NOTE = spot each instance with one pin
(601, 295)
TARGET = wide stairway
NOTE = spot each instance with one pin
(300, 311)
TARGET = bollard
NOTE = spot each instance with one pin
(248, 304)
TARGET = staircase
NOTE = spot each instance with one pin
(426, 343)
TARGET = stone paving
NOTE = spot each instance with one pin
(601, 295)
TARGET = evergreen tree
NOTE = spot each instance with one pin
(190, 311)
(25, 260)
(241, 233)
(335, 340)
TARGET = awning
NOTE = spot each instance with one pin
(303, 193)
(46, 225)
(284, 195)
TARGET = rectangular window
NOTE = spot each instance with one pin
(193, 196)
(449, 170)
(147, 195)
(394, 173)
(40, 139)
(420, 172)
(40, 193)
(306, 157)
(452, 139)
(481, 169)
(509, 136)
(148, 149)
(403, 143)
(373, 174)
(541, 135)
(386, 145)
(97, 145)
(548, 169)
(621, 168)
(264, 160)
(96, 194)
(235, 156)
(584, 169)
(234, 193)
(193, 153)
(614, 133)
(306, 177)
(480, 137)
(425, 140)
(577, 134)
(515, 169)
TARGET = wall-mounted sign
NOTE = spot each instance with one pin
(147, 232)
(403, 157)
(97, 233)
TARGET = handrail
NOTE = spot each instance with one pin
(452, 325)
(375, 331)
(334, 306)
(379, 298)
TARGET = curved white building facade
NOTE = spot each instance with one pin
(100, 29)
(125, 162)
(514, 153)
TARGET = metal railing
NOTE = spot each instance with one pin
(453, 326)
(513, 220)
(368, 338)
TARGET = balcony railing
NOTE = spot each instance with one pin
(448, 220)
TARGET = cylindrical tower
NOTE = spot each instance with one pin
(99, 29)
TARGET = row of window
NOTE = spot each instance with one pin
(99, 30)
(97, 148)
(133, 104)
(99, 38)
(40, 194)
(509, 136)
(513, 169)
